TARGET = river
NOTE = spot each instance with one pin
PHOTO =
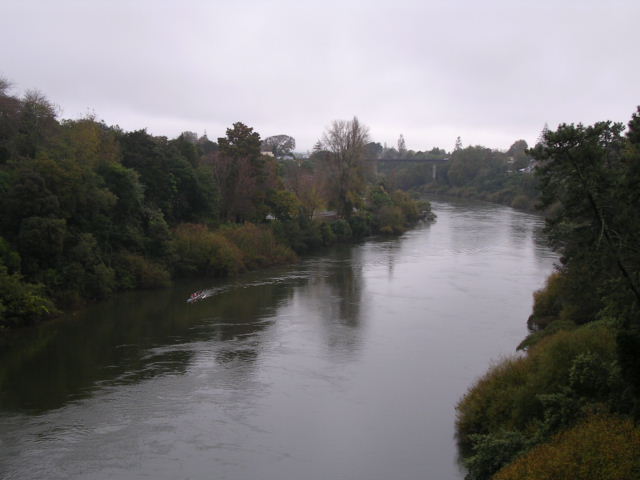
(346, 366)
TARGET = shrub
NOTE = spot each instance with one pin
(509, 397)
(408, 206)
(326, 232)
(521, 202)
(135, 271)
(390, 220)
(300, 233)
(342, 230)
(602, 447)
(258, 245)
(201, 251)
(489, 405)
(21, 303)
(547, 303)
(551, 329)
(492, 452)
(360, 225)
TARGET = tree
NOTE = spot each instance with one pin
(474, 165)
(518, 153)
(37, 123)
(9, 122)
(241, 141)
(373, 150)
(187, 145)
(543, 133)
(207, 146)
(402, 147)
(243, 176)
(5, 86)
(592, 177)
(458, 145)
(306, 183)
(279, 145)
(583, 168)
(345, 142)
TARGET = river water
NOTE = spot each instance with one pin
(346, 366)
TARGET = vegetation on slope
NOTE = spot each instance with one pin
(580, 373)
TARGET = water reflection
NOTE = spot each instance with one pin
(119, 341)
(337, 289)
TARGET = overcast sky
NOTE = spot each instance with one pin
(489, 71)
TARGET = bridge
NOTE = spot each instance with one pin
(388, 165)
(417, 161)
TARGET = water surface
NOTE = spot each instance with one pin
(345, 366)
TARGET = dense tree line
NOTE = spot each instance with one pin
(576, 392)
(474, 172)
(88, 209)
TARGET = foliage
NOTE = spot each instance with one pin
(344, 164)
(306, 183)
(493, 451)
(393, 213)
(283, 204)
(279, 145)
(582, 356)
(602, 446)
(361, 224)
(327, 234)
(88, 209)
(591, 174)
(390, 220)
(240, 142)
(521, 202)
(200, 251)
(243, 176)
(341, 230)
(591, 177)
(258, 245)
(474, 171)
(536, 394)
(547, 303)
(21, 303)
(135, 271)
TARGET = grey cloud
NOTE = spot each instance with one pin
(491, 71)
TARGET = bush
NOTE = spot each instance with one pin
(547, 303)
(492, 452)
(408, 206)
(521, 202)
(134, 271)
(21, 303)
(390, 220)
(553, 328)
(342, 230)
(602, 447)
(509, 397)
(489, 405)
(301, 233)
(360, 225)
(258, 245)
(200, 251)
(326, 232)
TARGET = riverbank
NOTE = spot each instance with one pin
(88, 210)
(513, 196)
(199, 250)
(568, 407)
